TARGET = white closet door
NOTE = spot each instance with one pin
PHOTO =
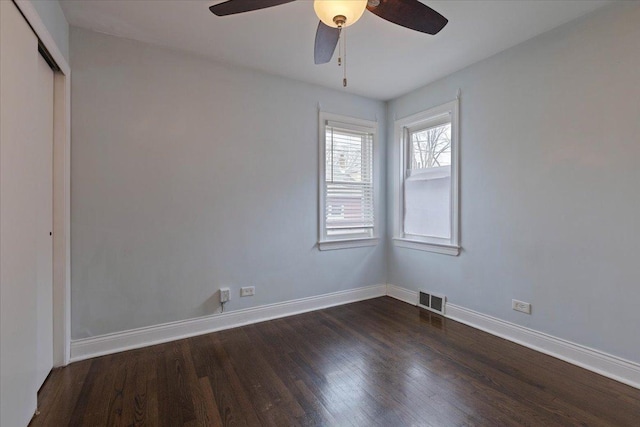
(26, 198)
(19, 195)
(43, 123)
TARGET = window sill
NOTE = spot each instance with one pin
(425, 246)
(329, 245)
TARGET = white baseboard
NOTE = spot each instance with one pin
(610, 366)
(402, 294)
(87, 348)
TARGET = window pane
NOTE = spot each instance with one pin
(431, 147)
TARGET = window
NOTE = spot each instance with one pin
(426, 211)
(347, 194)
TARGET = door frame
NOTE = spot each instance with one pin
(61, 187)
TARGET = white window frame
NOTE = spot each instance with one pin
(401, 138)
(326, 242)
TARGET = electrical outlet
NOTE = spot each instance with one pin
(225, 294)
(248, 291)
(524, 307)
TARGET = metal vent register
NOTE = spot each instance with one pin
(432, 302)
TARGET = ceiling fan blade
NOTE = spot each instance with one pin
(410, 14)
(231, 7)
(326, 41)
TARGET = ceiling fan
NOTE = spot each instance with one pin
(335, 15)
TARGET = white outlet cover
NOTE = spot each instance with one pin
(247, 291)
(521, 306)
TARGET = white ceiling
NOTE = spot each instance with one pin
(384, 60)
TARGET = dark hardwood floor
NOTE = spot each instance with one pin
(373, 363)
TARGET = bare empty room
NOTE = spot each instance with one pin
(319, 213)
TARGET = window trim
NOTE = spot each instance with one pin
(360, 125)
(401, 130)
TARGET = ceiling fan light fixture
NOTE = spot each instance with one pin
(329, 10)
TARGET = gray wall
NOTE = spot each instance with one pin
(550, 144)
(187, 176)
(53, 18)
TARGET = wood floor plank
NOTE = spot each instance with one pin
(177, 404)
(202, 396)
(209, 402)
(136, 393)
(93, 405)
(226, 381)
(378, 362)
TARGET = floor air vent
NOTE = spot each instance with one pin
(432, 302)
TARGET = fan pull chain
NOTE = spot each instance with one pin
(340, 46)
(344, 80)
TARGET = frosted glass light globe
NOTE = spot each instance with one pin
(329, 9)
